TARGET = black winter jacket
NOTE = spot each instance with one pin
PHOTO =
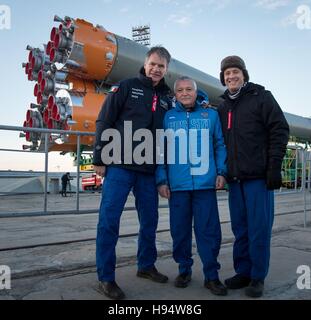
(133, 101)
(255, 131)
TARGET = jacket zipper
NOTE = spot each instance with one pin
(229, 119)
(235, 148)
(189, 149)
(154, 102)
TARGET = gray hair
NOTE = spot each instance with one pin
(161, 52)
(185, 78)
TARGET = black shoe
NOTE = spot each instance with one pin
(111, 290)
(237, 282)
(255, 289)
(182, 280)
(216, 287)
(153, 275)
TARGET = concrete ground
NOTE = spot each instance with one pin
(49, 261)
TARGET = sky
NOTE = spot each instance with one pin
(272, 36)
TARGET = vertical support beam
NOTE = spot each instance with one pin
(297, 152)
(46, 150)
(303, 185)
(78, 171)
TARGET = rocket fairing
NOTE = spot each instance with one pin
(75, 72)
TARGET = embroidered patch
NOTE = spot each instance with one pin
(204, 114)
(138, 92)
(114, 89)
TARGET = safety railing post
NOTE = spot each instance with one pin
(297, 152)
(303, 185)
(78, 171)
(46, 171)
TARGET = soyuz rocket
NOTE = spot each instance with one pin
(75, 72)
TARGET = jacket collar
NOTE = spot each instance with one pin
(251, 88)
(181, 108)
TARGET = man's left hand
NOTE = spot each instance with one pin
(274, 179)
(220, 182)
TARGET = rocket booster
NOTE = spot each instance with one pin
(75, 70)
(96, 54)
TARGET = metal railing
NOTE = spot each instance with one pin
(302, 157)
(46, 134)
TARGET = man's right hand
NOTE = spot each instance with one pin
(100, 170)
(164, 191)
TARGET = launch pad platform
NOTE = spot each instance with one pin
(52, 257)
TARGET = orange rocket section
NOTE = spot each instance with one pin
(97, 44)
(84, 119)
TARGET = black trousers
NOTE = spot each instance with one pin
(64, 189)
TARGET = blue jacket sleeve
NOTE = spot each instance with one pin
(161, 174)
(220, 149)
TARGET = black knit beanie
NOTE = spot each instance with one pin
(233, 62)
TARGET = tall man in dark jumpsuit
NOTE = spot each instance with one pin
(142, 101)
(256, 134)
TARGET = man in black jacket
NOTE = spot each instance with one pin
(65, 181)
(134, 104)
(256, 134)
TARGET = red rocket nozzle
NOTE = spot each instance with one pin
(39, 97)
(54, 32)
(33, 62)
(30, 76)
(40, 76)
(29, 114)
(52, 54)
(51, 102)
(50, 124)
(36, 89)
(43, 85)
(49, 46)
(28, 136)
(55, 113)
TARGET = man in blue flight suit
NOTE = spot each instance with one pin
(256, 135)
(142, 101)
(191, 189)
